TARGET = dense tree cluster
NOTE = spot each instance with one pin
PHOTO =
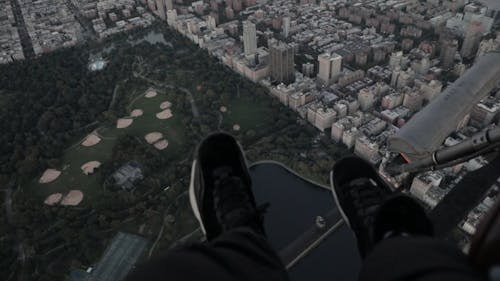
(48, 102)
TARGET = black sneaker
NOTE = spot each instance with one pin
(220, 192)
(370, 208)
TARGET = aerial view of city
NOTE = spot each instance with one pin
(104, 103)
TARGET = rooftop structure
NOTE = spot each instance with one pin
(127, 175)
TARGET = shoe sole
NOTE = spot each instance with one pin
(193, 200)
(336, 198)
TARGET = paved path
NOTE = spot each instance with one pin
(310, 239)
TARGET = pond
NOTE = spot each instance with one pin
(294, 205)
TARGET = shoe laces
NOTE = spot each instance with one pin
(232, 201)
(367, 198)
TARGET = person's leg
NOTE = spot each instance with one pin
(240, 254)
(417, 258)
(222, 200)
(393, 231)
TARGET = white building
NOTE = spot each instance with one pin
(325, 118)
(366, 98)
(330, 66)
(286, 26)
(249, 38)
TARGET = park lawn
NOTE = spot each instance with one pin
(172, 129)
(72, 176)
(250, 115)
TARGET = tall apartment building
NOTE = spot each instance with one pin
(286, 26)
(282, 62)
(448, 50)
(471, 40)
(330, 66)
(249, 38)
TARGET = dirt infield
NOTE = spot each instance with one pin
(91, 140)
(153, 137)
(73, 198)
(165, 114)
(49, 175)
(136, 113)
(151, 94)
(236, 127)
(89, 167)
(223, 109)
(123, 123)
(165, 105)
(53, 199)
(161, 145)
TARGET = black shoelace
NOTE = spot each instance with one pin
(366, 199)
(232, 201)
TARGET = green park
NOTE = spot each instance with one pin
(83, 126)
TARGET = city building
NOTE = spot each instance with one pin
(324, 118)
(396, 59)
(160, 9)
(308, 69)
(484, 112)
(127, 175)
(365, 148)
(373, 127)
(392, 100)
(422, 184)
(249, 38)
(211, 22)
(330, 66)
(169, 5)
(413, 100)
(286, 26)
(487, 46)
(282, 62)
(471, 40)
(448, 51)
(431, 90)
(350, 77)
(349, 137)
(366, 98)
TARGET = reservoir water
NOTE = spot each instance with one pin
(294, 205)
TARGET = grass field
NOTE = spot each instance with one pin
(250, 115)
(72, 176)
(244, 111)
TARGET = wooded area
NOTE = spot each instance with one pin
(51, 102)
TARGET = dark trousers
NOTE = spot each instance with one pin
(243, 255)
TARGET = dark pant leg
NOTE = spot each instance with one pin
(237, 255)
(417, 258)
